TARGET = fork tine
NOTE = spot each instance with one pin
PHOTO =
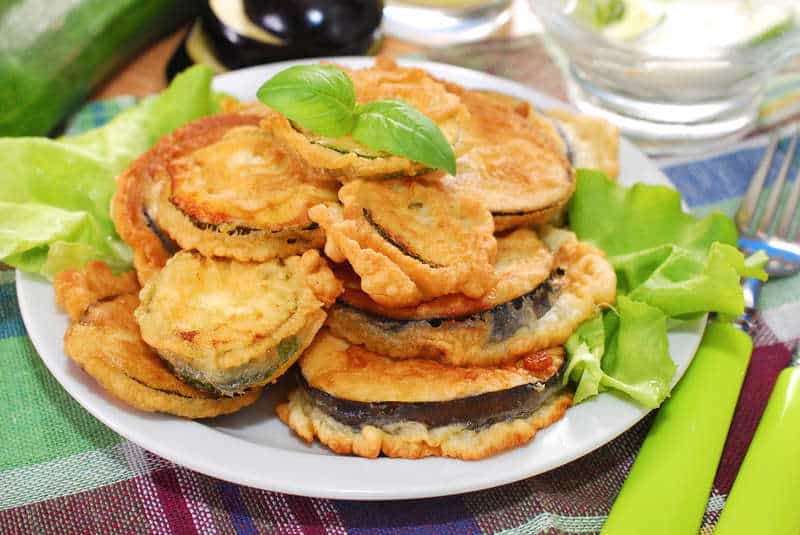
(747, 210)
(790, 210)
(777, 188)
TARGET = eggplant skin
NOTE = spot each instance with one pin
(473, 412)
(415, 440)
(483, 338)
(581, 280)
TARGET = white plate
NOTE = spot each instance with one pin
(253, 448)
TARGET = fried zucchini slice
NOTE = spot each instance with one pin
(515, 164)
(104, 340)
(581, 280)
(220, 185)
(410, 240)
(523, 262)
(227, 325)
(347, 159)
(359, 402)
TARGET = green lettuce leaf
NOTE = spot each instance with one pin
(623, 220)
(624, 351)
(670, 265)
(55, 194)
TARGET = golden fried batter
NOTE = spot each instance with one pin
(410, 240)
(523, 262)
(589, 142)
(413, 440)
(367, 404)
(228, 190)
(242, 181)
(230, 325)
(582, 280)
(515, 164)
(106, 344)
(347, 371)
(347, 159)
(104, 340)
(592, 143)
(151, 247)
(76, 289)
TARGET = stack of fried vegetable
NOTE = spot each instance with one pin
(396, 236)
(447, 339)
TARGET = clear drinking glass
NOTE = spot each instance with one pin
(444, 22)
(681, 99)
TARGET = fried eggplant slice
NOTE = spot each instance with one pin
(104, 340)
(410, 240)
(226, 189)
(133, 220)
(588, 142)
(76, 289)
(227, 325)
(591, 142)
(362, 403)
(515, 164)
(347, 159)
(523, 263)
(580, 281)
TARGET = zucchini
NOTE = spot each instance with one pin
(53, 52)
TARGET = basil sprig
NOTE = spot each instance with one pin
(319, 97)
(322, 99)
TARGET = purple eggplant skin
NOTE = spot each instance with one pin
(309, 28)
(475, 412)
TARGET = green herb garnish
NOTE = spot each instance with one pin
(318, 97)
(321, 98)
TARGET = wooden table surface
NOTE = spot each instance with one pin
(145, 74)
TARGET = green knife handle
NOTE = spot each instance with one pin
(668, 487)
(765, 497)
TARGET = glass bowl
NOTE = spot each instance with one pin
(667, 104)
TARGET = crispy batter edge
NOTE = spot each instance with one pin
(257, 246)
(416, 441)
(77, 289)
(390, 276)
(590, 282)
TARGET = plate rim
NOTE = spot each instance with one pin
(25, 285)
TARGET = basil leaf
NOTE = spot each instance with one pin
(320, 98)
(398, 128)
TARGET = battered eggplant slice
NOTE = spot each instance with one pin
(515, 164)
(362, 403)
(226, 326)
(347, 159)
(591, 143)
(228, 190)
(410, 240)
(588, 142)
(546, 316)
(523, 263)
(104, 340)
(133, 220)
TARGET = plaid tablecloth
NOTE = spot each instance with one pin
(63, 472)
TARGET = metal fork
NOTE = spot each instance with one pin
(765, 494)
(761, 230)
